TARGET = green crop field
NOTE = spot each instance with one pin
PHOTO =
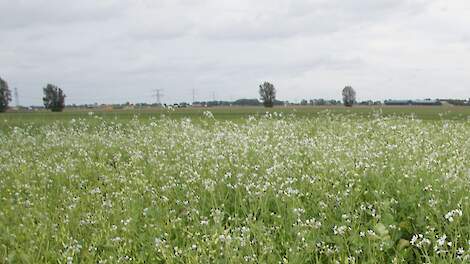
(236, 185)
(235, 113)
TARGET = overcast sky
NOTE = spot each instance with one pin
(112, 51)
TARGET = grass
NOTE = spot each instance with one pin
(237, 113)
(236, 185)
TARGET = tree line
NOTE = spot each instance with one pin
(54, 97)
(267, 92)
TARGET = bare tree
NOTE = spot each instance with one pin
(349, 96)
(267, 93)
(5, 95)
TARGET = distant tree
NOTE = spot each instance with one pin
(247, 102)
(5, 95)
(349, 96)
(267, 93)
(54, 98)
(278, 102)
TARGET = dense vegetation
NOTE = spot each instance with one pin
(5, 95)
(266, 189)
(54, 98)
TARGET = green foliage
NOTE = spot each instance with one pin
(54, 98)
(235, 114)
(5, 95)
(268, 94)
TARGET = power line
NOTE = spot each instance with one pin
(17, 98)
(158, 95)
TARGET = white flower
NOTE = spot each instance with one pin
(299, 211)
(442, 240)
(159, 242)
(454, 213)
(420, 241)
(313, 223)
(208, 114)
(339, 230)
(97, 190)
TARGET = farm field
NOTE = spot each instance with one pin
(236, 113)
(236, 185)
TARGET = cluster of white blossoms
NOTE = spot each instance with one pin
(340, 230)
(208, 114)
(272, 188)
(452, 214)
(420, 241)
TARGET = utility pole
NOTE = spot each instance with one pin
(17, 98)
(159, 95)
(194, 95)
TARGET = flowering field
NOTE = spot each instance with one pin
(268, 189)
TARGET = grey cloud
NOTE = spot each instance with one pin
(107, 51)
(34, 13)
(303, 18)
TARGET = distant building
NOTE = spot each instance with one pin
(413, 102)
(427, 102)
(398, 102)
(458, 102)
